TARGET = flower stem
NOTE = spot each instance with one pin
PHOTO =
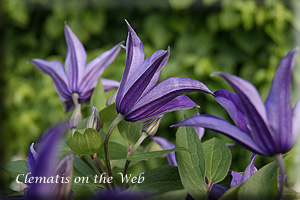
(131, 152)
(118, 119)
(280, 162)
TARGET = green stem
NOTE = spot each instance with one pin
(118, 119)
(137, 144)
(209, 186)
(125, 171)
(280, 162)
(99, 167)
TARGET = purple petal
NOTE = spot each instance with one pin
(56, 71)
(166, 145)
(255, 113)
(32, 159)
(250, 170)
(138, 83)
(46, 161)
(163, 93)
(75, 60)
(199, 130)
(296, 120)
(220, 125)
(95, 68)
(236, 178)
(278, 103)
(109, 84)
(217, 191)
(178, 103)
(135, 57)
(232, 104)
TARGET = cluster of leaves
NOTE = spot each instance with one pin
(242, 38)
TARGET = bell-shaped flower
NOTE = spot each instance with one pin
(49, 179)
(138, 99)
(76, 82)
(268, 129)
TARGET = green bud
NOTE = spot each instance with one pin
(94, 120)
(151, 127)
(75, 118)
(111, 100)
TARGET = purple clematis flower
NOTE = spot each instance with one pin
(76, 82)
(268, 129)
(238, 178)
(138, 99)
(44, 169)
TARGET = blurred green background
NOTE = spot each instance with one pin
(245, 38)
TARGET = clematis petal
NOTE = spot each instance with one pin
(109, 84)
(166, 145)
(95, 68)
(232, 104)
(278, 103)
(75, 59)
(138, 83)
(225, 128)
(296, 120)
(32, 158)
(56, 71)
(163, 93)
(255, 113)
(135, 57)
(178, 103)
(236, 178)
(250, 169)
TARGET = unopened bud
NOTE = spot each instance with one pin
(151, 127)
(111, 100)
(94, 120)
(75, 118)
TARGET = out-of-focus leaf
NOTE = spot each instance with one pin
(182, 4)
(16, 168)
(116, 151)
(98, 96)
(162, 179)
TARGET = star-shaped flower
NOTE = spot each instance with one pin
(76, 82)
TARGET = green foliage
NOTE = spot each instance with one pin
(130, 131)
(217, 160)
(191, 165)
(87, 143)
(16, 168)
(98, 97)
(162, 179)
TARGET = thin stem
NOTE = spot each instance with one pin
(99, 167)
(209, 186)
(137, 144)
(125, 171)
(88, 164)
(282, 174)
(118, 119)
(131, 152)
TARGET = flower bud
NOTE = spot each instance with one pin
(111, 100)
(94, 120)
(75, 118)
(151, 127)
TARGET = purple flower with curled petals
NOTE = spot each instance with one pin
(76, 82)
(266, 129)
(44, 168)
(238, 178)
(138, 99)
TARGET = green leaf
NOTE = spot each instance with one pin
(15, 168)
(154, 154)
(130, 131)
(98, 96)
(162, 179)
(262, 185)
(191, 164)
(88, 143)
(217, 160)
(82, 167)
(232, 193)
(116, 151)
(107, 115)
